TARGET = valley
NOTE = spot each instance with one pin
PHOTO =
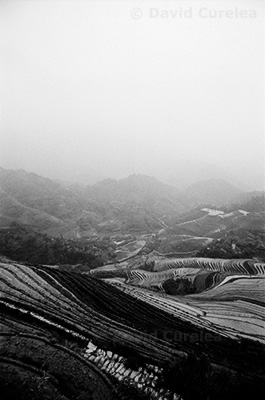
(130, 290)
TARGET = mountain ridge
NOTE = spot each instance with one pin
(134, 203)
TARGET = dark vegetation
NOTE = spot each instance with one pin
(198, 380)
(33, 367)
(181, 286)
(237, 244)
(23, 244)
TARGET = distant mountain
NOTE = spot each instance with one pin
(251, 200)
(37, 202)
(255, 204)
(216, 192)
(137, 185)
(135, 204)
(215, 231)
(139, 190)
(12, 210)
(40, 193)
(115, 213)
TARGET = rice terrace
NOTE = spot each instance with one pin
(64, 334)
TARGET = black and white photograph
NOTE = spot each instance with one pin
(132, 199)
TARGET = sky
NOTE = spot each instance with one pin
(97, 89)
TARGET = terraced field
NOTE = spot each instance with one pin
(69, 336)
(235, 310)
(232, 266)
(129, 250)
(226, 296)
(207, 222)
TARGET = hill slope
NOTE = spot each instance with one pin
(214, 191)
(138, 203)
(135, 204)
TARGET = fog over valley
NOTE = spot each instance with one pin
(89, 92)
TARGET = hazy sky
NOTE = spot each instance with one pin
(99, 88)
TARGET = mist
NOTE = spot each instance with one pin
(91, 90)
